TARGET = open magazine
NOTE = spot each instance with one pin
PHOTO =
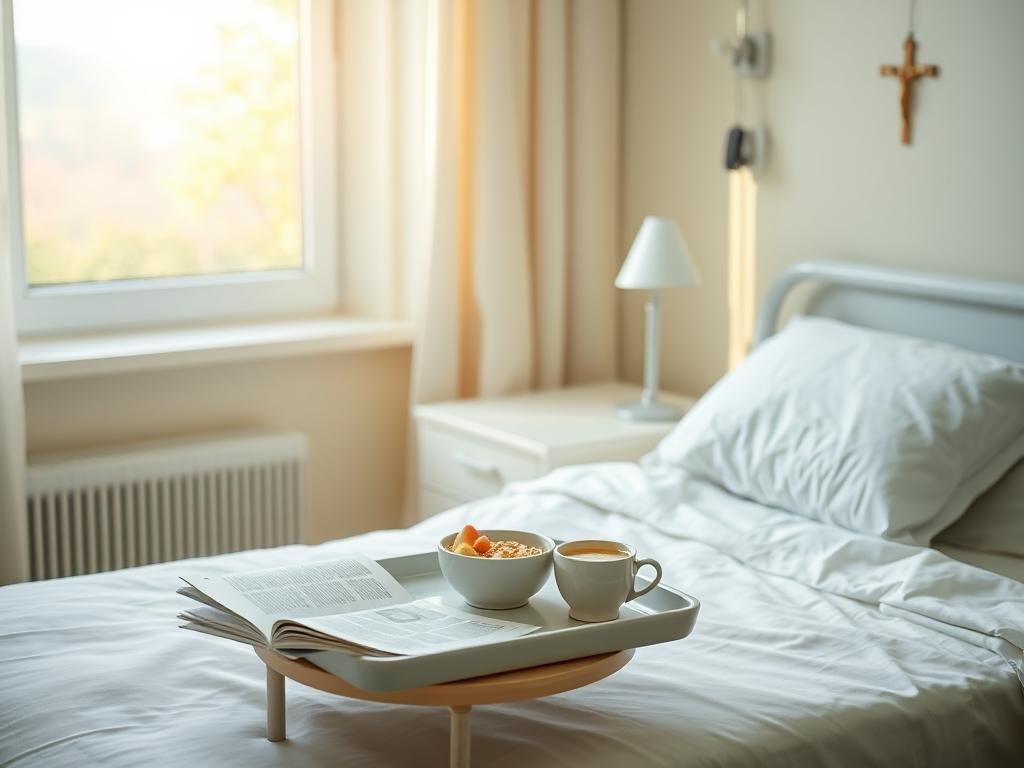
(350, 604)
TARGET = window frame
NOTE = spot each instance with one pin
(171, 300)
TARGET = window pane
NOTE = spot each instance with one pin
(158, 137)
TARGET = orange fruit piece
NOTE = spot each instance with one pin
(468, 535)
(482, 544)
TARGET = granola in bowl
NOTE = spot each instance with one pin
(473, 544)
(496, 568)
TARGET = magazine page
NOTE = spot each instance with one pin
(216, 622)
(423, 626)
(299, 591)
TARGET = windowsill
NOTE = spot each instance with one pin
(49, 358)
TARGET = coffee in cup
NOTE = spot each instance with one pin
(596, 553)
(596, 577)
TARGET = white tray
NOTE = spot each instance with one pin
(662, 615)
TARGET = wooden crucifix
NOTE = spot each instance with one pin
(907, 74)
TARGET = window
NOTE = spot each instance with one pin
(174, 159)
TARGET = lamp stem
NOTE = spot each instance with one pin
(652, 311)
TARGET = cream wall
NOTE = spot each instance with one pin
(352, 407)
(676, 106)
(839, 184)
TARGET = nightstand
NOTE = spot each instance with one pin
(469, 449)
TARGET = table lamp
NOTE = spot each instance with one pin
(657, 259)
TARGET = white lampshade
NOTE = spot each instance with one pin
(658, 258)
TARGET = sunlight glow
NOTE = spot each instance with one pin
(742, 263)
(158, 139)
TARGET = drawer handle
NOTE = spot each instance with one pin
(476, 465)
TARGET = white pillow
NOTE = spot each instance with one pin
(878, 433)
(995, 522)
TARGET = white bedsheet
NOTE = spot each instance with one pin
(813, 647)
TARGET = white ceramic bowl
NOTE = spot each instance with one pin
(497, 583)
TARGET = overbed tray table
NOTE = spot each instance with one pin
(562, 655)
(458, 696)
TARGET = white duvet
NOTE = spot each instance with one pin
(814, 646)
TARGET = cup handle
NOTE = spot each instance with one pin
(633, 594)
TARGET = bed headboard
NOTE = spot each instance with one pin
(980, 315)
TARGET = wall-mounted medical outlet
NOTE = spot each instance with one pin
(755, 62)
(746, 148)
(750, 55)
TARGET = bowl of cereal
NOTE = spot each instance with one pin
(495, 568)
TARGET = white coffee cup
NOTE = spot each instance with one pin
(596, 577)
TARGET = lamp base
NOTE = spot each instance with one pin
(640, 411)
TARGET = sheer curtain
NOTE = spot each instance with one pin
(514, 286)
(13, 536)
(480, 185)
(13, 533)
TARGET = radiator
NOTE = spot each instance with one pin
(153, 502)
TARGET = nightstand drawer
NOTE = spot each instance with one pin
(463, 466)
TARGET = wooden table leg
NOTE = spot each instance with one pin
(458, 751)
(275, 706)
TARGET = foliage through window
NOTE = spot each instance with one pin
(158, 138)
